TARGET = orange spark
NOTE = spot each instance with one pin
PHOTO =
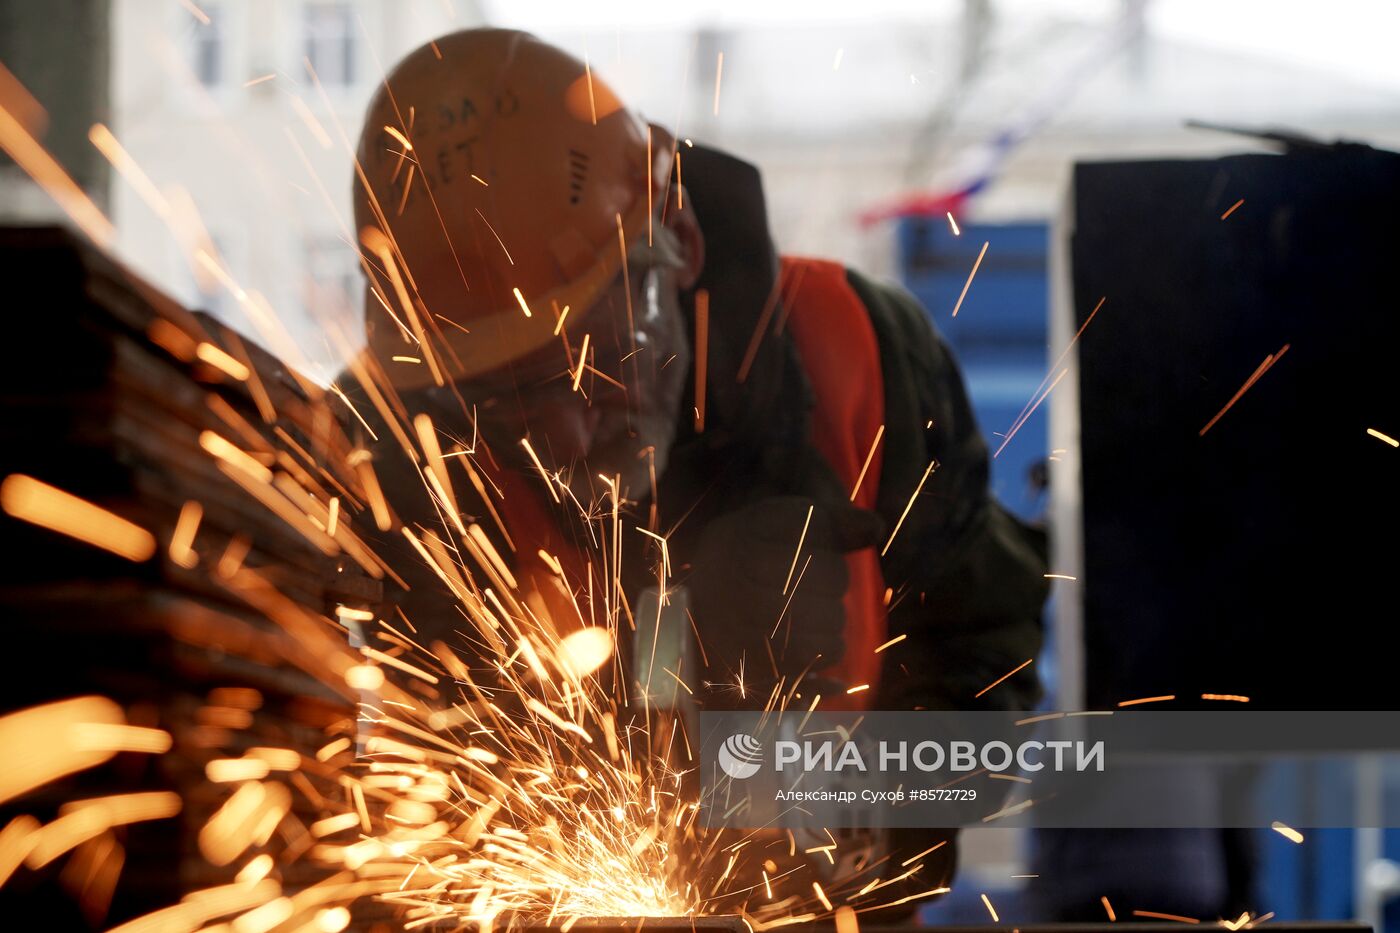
(232, 770)
(719, 74)
(1009, 673)
(330, 750)
(1035, 403)
(914, 858)
(905, 514)
(1264, 367)
(1227, 697)
(29, 155)
(1158, 916)
(221, 447)
(359, 461)
(363, 677)
(62, 738)
(559, 324)
(81, 820)
(1008, 811)
(437, 466)
(16, 840)
(28, 111)
(521, 298)
(893, 641)
(583, 652)
(702, 354)
(869, 457)
(798, 553)
(1032, 404)
(845, 919)
(650, 186)
(313, 126)
(582, 360)
(221, 360)
(38, 503)
(1232, 209)
(113, 151)
(504, 250)
(195, 11)
(256, 870)
(970, 275)
(1137, 702)
(407, 189)
(1108, 908)
(548, 483)
(592, 103)
(232, 559)
(1383, 437)
(185, 528)
(377, 242)
(115, 737)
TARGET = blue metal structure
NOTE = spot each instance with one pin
(999, 334)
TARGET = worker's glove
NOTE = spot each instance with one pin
(757, 598)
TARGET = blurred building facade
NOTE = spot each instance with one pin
(215, 103)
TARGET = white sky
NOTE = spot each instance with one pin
(1354, 39)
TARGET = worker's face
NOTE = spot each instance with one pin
(621, 421)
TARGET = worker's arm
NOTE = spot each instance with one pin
(968, 577)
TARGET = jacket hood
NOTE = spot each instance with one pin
(756, 397)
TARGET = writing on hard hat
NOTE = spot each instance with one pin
(498, 183)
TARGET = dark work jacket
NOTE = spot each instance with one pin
(968, 578)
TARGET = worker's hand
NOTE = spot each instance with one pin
(757, 598)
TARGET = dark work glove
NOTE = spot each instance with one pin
(742, 562)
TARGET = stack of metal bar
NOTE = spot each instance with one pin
(233, 633)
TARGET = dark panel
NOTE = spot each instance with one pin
(1259, 558)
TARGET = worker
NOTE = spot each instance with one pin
(597, 310)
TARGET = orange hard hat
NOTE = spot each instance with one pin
(499, 183)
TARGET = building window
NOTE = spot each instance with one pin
(330, 42)
(209, 45)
